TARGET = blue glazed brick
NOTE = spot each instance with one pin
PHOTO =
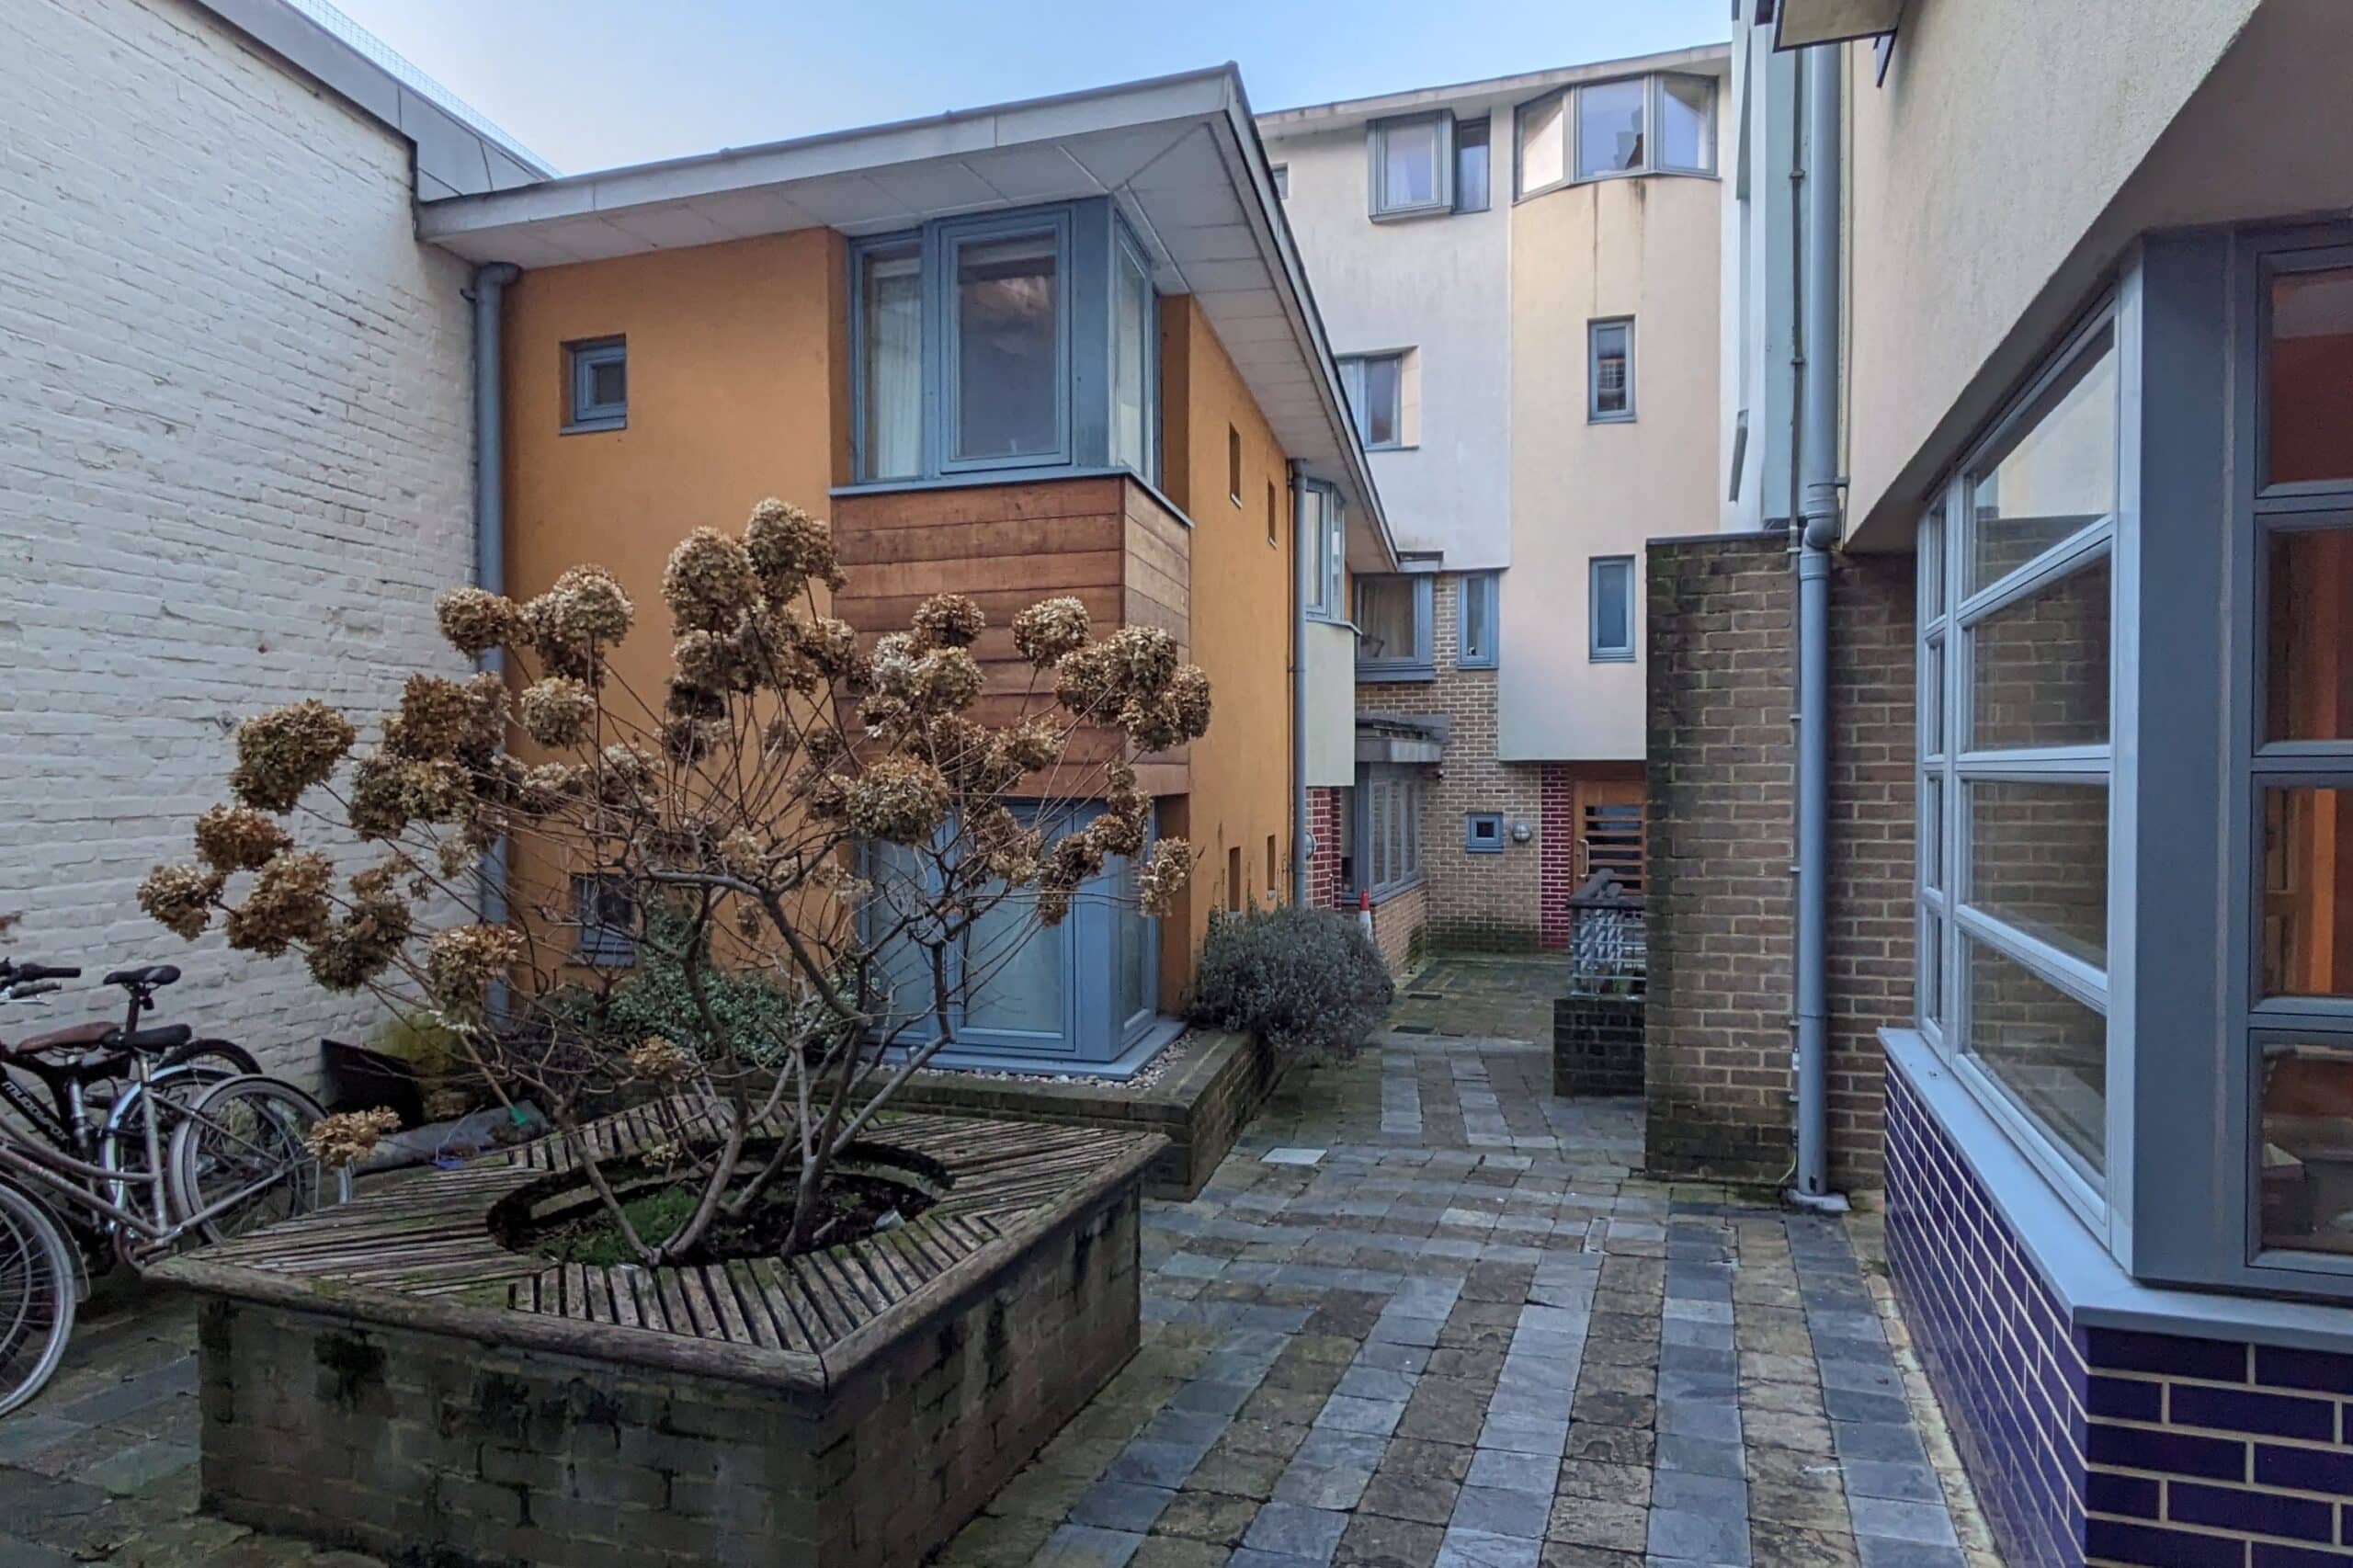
(2313, 1370)
(2239, 1410)
(2115, 1541)
(2306, 1470)
(2125, 1399)
(2176, 1453)
(2252, 1513)
(2217, 1361)
(2269, 1554)
(2137, 1496)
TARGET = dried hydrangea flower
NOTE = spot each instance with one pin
(1071, 861)
(1116, 832)
(460, 962)
(788, 548)
(437, 718)
(947, 680)
(591, 606)
(556, 712)
(1086, 681)
(948, 620)
(1142, 658)
(474, 621)
(285, 751)
(1162, 881)
(899, 799)
(831, 645)
(361, 943)
(288, 905)
(1047, 631)
(708, 581)
(622, 773)
(348, 1137)
(1052, 905)
(1153, 722)
(179, 898)
(238, 838)
(655, 1060)
(1036, 742)
(1188, 689)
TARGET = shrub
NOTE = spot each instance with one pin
(1307, 981)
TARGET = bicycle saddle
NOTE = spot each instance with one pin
(151, 975)
(154, 1041)
(80, 1036)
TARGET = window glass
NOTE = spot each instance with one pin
(1932, 971)
(2308, 378)
(891, 294)
(2307, 1169)
(1932, 700)
(1385, 617)
(1932, 563)
(2055, 472)
(1374, 384)
(2045, 1047)
(2307, 919)
(2038, 861)
(1135, 933)
(901, 975)
(2039, 667)
(1008, 366)
(606, 918)
(1543, 142)
(1478, 620)
(1684, 125)
(2308, 635)
(1610, 127)
(1612, 370)
(609, 381)
(1409, 168)
(1613, 608)
(1471, 165)
(1132, 327)
(1932, 831)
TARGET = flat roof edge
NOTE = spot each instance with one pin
(1308, 116)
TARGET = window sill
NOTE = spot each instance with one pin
(1397, 446)
(1385, 895)
(2074, 1262)
(1394, 674)
(1408, 214)
(593, 427)
(1475, 665)
(1007, 476)
(1610, 419)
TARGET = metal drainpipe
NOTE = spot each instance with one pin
(1301, 560)
(1817, 533)
(490, 282)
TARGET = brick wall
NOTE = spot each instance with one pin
(1330, 834)
(1400, 927)
(237, 393)
(1721, 629)
(1597, 1045)
(1557, 840)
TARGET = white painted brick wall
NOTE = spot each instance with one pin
(235, 432)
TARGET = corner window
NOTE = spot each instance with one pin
(1393, 627)
(1611, 611)
(1638, 125)
(1483, 833)
(1412, 165)
(1609, 371)
(2015, 586)
(1020, 340)
(1385, 828)
(1470, 165)
(1322, 550)
(1477, 617)
(1375, 385)
(604, 923)
(596, 384)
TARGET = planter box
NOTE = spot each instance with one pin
(388, 1377)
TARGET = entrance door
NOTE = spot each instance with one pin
(1610, 820)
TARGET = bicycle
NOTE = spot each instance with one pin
(235, 1155)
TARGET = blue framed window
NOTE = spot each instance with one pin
(1610, 613)
(1483, 833)
(1476, 623)
(604, 920)
(1385, 828)
(1609, 371)
(595, 375)
(1393, 627)
(1411, 160)
(1376, 388)
(1323, 549)
(1014, 340)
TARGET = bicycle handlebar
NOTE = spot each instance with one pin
(16, 973)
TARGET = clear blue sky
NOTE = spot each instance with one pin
(589, 83)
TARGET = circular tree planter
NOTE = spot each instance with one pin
(393, 1375)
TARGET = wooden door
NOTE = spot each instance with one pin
(1611, 831)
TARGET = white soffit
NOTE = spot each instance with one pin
(1801, 24)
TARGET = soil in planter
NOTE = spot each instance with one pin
(853, 1203)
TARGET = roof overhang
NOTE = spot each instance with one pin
(1178, 155)
(1801, 24)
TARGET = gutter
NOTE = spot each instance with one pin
(1300, 560)
(1816, 226)
(488, 290)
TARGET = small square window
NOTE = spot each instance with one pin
(1412, 165)
(1613, 609)
(1609, 371)
(1375, 385)
(605, 918)
(596, 384)
(1483, 833)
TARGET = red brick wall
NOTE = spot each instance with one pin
(1329, 833)
(1557, 878)
(1720, 785)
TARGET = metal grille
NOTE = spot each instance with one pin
(1608, 941)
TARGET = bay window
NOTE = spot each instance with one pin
(1023, 340)
(1393, 627)
(1636, 125)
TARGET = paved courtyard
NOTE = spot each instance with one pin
(1425, 1314)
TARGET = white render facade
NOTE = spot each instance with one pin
(239, 397)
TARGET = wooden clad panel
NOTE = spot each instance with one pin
(978, 503)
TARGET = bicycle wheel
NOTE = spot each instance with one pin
(245, 1139)
(37, 1297)
(122, 1142)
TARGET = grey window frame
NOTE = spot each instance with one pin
(1464, 200)
(1388, 814)
(582, 358)
(1472, 821)
(1376, 142)
(1654, 89)
(595, 942)
(1946, 920)
(1480, 586)
(1324, 557)
(1092, 241)
(1422, 664)
(1594, 413)
(1599, 567)
(1350, 368)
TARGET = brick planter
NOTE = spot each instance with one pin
(387, 1377)
(1597, 1045)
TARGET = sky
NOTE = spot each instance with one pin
(590, 84)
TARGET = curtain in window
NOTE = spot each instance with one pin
(1385, 616)
(893, 370)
